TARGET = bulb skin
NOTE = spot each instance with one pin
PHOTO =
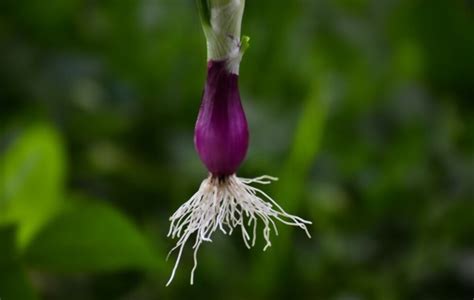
(221, 134)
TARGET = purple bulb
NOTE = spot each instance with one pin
(221, 134)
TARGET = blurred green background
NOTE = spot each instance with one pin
(362, 108)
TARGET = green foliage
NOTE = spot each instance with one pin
(70, 236)
(32, 174)
(306, 141)
(13, 279)
(88, 236)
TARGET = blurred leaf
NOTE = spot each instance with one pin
(31, 177)
(90, 236)
(306, 144)
(13, 280)
(290, 190)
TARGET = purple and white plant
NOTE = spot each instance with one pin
(224, 201)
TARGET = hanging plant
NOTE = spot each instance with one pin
(224, 201)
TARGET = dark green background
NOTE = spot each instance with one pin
(362, 108)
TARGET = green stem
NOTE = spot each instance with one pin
(221, 21)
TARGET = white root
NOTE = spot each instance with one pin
(224, 204)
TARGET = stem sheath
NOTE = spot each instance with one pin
(221, 21)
